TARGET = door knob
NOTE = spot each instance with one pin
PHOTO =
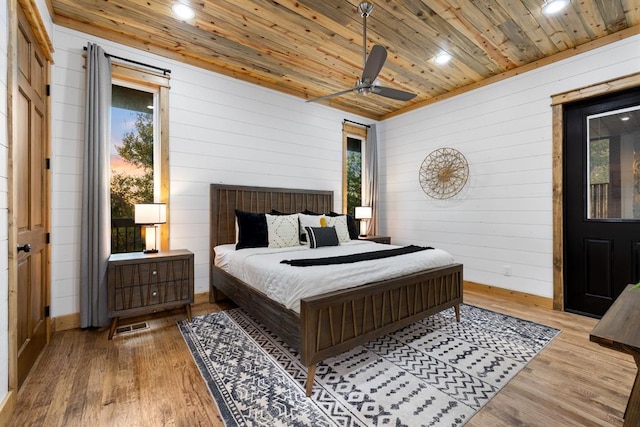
(26, 247)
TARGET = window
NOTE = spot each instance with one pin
(138, 150)
(354, 174)
(354, 149)
(613, 179)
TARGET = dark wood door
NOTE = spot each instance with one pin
(32, 202)
(601, 200)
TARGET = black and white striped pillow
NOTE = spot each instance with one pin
(322, 236)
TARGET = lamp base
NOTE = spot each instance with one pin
(363, 228)
(150, 240)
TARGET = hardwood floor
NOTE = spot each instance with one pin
(148, 378)
(572, 382)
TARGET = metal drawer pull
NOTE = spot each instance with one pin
(154, 272)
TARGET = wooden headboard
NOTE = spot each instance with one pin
(225, 199)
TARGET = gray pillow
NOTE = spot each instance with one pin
(322, 236)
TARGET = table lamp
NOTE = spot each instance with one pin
(363, 213)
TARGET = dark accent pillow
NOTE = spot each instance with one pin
(322, 236)
(252, 230)
(275, 212)
(352, 225)
(308, 212)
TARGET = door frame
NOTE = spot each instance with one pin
(557, 107)
(43, 40)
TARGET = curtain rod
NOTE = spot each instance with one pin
(164, 70)
(356, 123)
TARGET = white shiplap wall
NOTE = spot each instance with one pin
(4, 211)
(503, 217)
(221, 131)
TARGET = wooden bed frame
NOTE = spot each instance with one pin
(337, 321)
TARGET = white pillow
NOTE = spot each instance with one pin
(283, 230)
(308, 221)
(340, 224)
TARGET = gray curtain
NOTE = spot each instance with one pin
(96, 208)
(371, 179)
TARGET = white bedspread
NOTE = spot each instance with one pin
(261, 268)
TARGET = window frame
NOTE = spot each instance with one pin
(355, 132)
(159, 83)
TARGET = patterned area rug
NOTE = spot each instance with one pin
(436, 372)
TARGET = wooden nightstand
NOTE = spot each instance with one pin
(378, 239)
(141, 283)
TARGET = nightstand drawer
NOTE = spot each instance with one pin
(148, 290)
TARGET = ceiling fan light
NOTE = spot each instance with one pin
(442, 58)
(365, 9)
(183, 11)
(365, 90)
(551, 7)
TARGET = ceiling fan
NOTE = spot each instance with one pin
(371, 68)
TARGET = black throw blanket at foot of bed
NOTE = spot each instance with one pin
(346, 259)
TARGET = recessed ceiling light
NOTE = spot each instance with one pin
(183, 11)
(625, 118)
(554, 6)
(442, 58)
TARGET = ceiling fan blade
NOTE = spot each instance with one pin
(371, 68)
(388, 92)
(342, 92)
(374, 63)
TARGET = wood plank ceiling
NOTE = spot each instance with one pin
(311, 48)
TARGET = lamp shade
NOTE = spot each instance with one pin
(150, 213)
(363, 212)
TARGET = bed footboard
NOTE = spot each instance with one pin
(339, 321)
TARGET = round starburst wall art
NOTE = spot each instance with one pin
(443, 173)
